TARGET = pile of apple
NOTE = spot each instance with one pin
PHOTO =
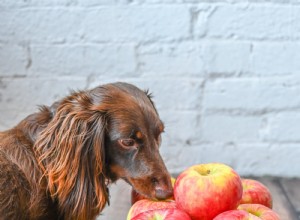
(211, 191)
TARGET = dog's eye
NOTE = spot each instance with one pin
(128, 142)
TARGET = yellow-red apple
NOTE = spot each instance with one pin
(260, 211)
(206, 190)
(236, 215)
(163, 214)
(145, 205)
(254, 192)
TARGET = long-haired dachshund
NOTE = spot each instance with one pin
(57, 163)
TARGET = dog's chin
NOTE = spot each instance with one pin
(148, 195)
(141, 185)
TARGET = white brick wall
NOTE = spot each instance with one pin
(225, 74)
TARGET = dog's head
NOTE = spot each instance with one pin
(97, 136)
(132, 141)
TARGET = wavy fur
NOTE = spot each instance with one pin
(71, 154)
(57, 163)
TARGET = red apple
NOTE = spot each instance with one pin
(162, 214)
(260, 211)
(135, 196)
(236, 215)
(254, 192)
(206, 190)
(145, 205)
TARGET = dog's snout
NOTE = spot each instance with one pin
(161, 194)
(163, 188)
(154, 181)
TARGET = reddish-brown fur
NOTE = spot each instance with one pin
(57, 163)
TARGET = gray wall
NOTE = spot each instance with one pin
(224, 74)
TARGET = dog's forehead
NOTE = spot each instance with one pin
(131, 98)
(136, 118)
(128, 107)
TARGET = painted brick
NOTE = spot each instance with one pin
(25, 94)
(135, 23)
(43, 25)
(88, 24)
(14, 60)
(244, 21)
(227, 57)
(254, 94)
(275, 58)
(227, 128)
(10, 4)
(224, 73)
(83, 60)
(181, 128)
(185, 59)
(92, 3)
(35, 3)
(242, 157)
(190, 155)
(251, 158)
(200, 16)
(283, 127)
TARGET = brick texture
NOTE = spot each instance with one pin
(225, 74)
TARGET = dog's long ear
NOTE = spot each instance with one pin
(71, 153)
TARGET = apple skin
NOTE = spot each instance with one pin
(162, 214)
(135, 196)
(236, 215)
(206, 190)
(254, 192)
(260, 211)
(146, 205)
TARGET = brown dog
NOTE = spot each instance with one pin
(57, 163)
